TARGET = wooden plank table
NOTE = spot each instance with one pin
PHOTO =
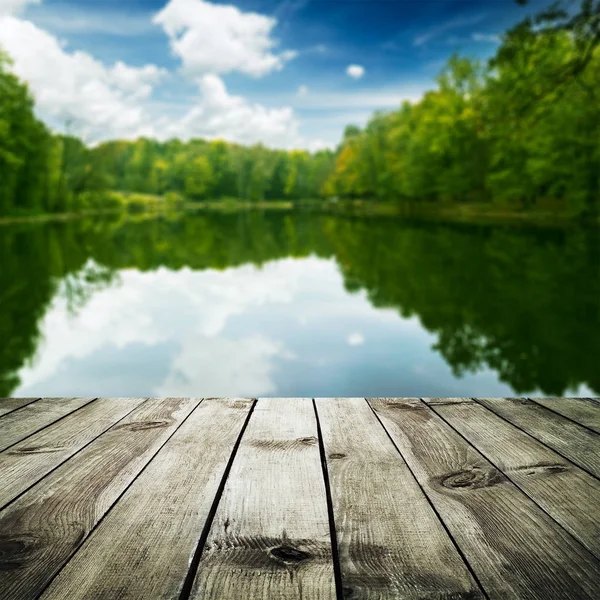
(345, 498)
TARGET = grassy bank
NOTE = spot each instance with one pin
(544, 214)
(128, 203)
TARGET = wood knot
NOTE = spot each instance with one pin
(347, 592)
(240, 404)
(289, 554)
(405, 405)
(142, 425)
(544, 468)
(473, 478)
(337, 455)
(310, 441)
(14, 551)
(524, 401)
(36, 450)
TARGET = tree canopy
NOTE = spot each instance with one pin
(518, 131)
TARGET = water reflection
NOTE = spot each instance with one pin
(296, 303)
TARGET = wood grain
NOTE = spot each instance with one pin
(145, 545)
(570, 439)
(567, 493)
(516, 550)
(9, 404)
(391, 544)
(270, 537)
(46, 525)
(28, 461)
(584, 411)
(19, 424)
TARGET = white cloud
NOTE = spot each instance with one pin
(219, 114)
(139, 81)
(115, 101)
(215, 38)
(302, 91)
(452, 24)
(486, 37)
(355, 71)
(355, 339)
(87, 17)
(365, 99)
(103, 101)
(13, 7)
(316, 145)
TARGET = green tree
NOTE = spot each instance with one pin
(198, 178)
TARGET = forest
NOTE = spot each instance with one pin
(517, 132)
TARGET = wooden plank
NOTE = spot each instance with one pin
(390, 542)
(568, 494)
(19, 424)
(7, 405)
(46, 525)
(145, 545)
(270, 537)
(584, 411)
(578, 444)
(28, 461)
(516, 550)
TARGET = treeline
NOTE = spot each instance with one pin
(203, 169)
(42, 172)
(521, 130)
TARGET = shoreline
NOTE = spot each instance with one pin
(472, 214)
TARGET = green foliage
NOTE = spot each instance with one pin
(522, 129)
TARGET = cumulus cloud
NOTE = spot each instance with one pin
(75, 86)
(13, 7)
(216, 38)
(302, 91)
(115, 101)
(355, 339)
(355, 71)
(220, 114)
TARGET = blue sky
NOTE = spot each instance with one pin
(272, 71)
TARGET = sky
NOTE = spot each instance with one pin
(285, 73)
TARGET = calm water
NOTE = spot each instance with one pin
(296, 304)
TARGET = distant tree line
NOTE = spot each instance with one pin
(523, 128)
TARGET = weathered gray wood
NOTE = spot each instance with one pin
(144, 547)
(391, 544)
(581, 410)
(42, 528)
(514, 548)
(567, 493)
(270, 537)
(19, 424)
(9, 404)
(573, 441)
(28, 461)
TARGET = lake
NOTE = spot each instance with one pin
(297, 303)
